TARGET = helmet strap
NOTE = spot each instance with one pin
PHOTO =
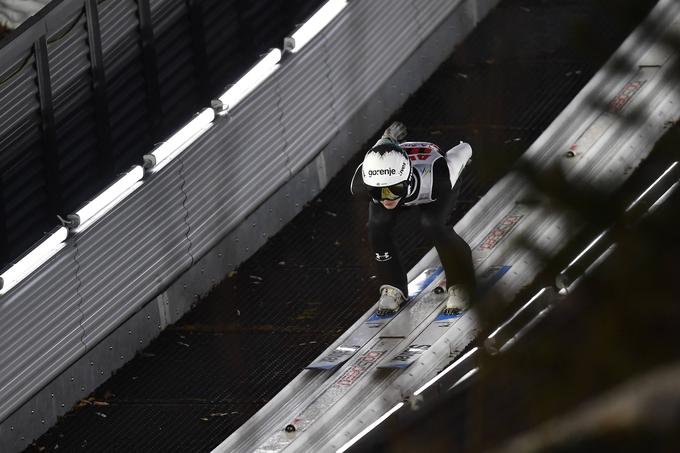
(412, 184)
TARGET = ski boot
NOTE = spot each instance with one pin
(390, 300)
(458, 300)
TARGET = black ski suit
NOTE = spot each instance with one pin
(431, 192)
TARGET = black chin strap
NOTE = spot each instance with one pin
(412, 184)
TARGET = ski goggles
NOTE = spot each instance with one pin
(393, 192)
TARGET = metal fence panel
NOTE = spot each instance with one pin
(119, 76)
(127, 89)
(40, 325)
(240, 161)
(307, 105)
(74, 113)
(24, 199)
(429, 14)
(356, 69)
(126, 258)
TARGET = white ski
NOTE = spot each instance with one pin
(360, 365)
(373, 324)
(440, 324)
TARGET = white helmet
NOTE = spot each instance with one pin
(386, 171)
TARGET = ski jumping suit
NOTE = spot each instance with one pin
(434, 191)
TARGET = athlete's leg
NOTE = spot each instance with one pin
(388, 263)
(454, 252)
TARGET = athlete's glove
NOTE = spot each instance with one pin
(395, 132)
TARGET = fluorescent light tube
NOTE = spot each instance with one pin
(369, 428)
(33, 260)
(180, 140)
(585, 250)
(107, 199)
(663, 197)
(316, 23)
(528, 326)
(651, 186)
(467, 376)
(524, 307)
(251, 80)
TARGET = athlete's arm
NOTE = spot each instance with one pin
(441, 182)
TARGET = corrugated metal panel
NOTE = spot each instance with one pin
(227, 57)
(357, 70)
(17, 89)
(429, 14)
(24, 197)
(196, 56)
(128, 257)
(125, 84)
(119, 33)
(74, 117)
(40, 321)
(307, 104)
(176, 66)
(262, 18)
(240, 163)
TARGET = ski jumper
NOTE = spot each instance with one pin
(432, 190)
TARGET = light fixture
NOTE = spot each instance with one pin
(651, 186)
(663, 197)
(524, 307)
(179, 141)
(250, 80)
(563, 280)
(316, 23)
(585, 250)
(369, 428)
(106, 200)
(33, 259)
(528, 326)
(467, 376)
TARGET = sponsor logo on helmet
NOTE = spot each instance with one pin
(403, 167)
(388, 171)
